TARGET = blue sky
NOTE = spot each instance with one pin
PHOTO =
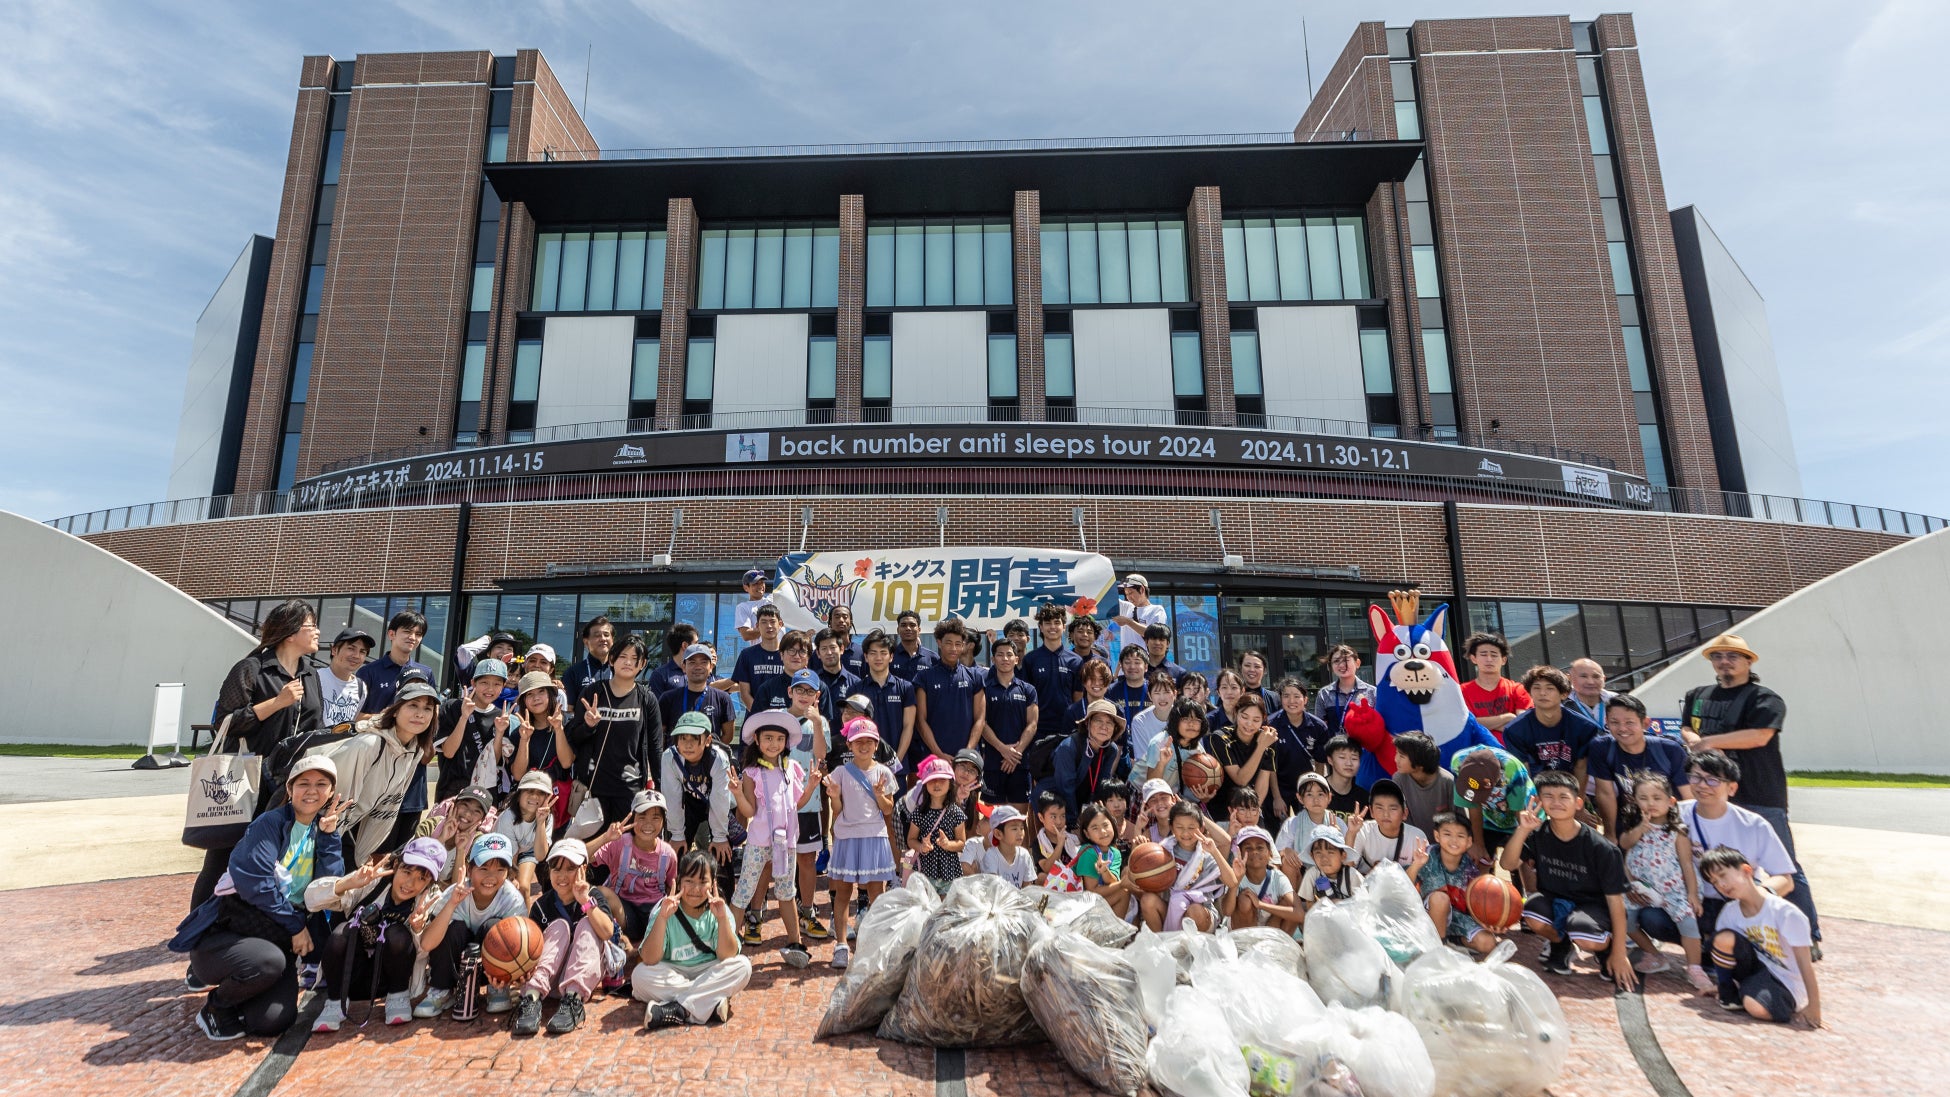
(141, 144)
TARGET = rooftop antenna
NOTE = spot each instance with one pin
(1306, 50)
(591, 57)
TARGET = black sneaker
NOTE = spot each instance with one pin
(1814, 953)
(192, 983)
(664, 1015)
(528, 1014)
(1558, 960)
(567, 1015)
(219, 1024)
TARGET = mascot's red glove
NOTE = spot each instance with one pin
(1364, 725)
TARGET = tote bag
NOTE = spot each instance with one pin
(223, 795)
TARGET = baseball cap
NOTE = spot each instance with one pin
(1329, 833)
(347, 635)
(535, 780)
(490, 668)
(755, 575)
(860, 728)
(694, 649)
(415, 688)
(425, 853)
(1479, 772)
(1247, 833)
(860, 703)
(647, 800)
(691, 723)
(496, 847)
(1004, 814)
(1311, 778)
(507, 638)
(542, 650)
(808, 679)
(777, 719)
(1156, 786)
(1136, 580)
(319, 762)
(571, 850)
(935, 768)
(477, 794)
(968, 756)
(534, 680)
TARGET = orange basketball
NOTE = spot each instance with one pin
(510, 950)
(1494, 902)
(1151, 867)
(1201, 775)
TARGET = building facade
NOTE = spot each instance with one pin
(1438, 335)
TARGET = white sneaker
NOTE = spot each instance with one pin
(839, 956)
(329, 1018)
(399, 1008)
(434, 1004)
(1651, 963)
(500, 1000)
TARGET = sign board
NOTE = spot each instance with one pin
(985, 587)
(1026, 444)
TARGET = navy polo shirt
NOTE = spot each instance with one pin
(951, 703)
(715, 704)
(1129, 699)
(1054, 674)
(891, 700)
(1550, 748)
(382, 676)
(755, 666)
(1008, 709)
(667, 677)
(910, 666)
(1176, 671)
(834, 690)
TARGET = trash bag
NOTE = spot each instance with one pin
(1157, 973)
(1086, 999)
(964, 987)
(1344, 962)
(1195, 1053)
(1334, 1052)
(1392, 910)
(1388, 1057)
(1083, 912)
(882, 952)
(1275, 945)
(1490, 1028)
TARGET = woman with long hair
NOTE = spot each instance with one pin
(377, 764)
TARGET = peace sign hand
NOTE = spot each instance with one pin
(501, 720)
(328, 820)
(1527, 820)
(589, 715)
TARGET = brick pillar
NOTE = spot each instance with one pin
(515, 253)
(680, 293)
(1026, 235)
(853, 300)
(1208, 274)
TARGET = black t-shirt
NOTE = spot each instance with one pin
(614, 755)
(715, 704)
(542, 751)
(1345, 802)
(457, 773)
(1584, 869)
(1300, 746)
(1233, 751)
(1711, 710)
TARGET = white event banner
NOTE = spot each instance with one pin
(984, 587)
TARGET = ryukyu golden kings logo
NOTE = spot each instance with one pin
(818, 594)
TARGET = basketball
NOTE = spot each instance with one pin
(1201, 775)
(510, 950)
(1495, 903)
(1151, 867)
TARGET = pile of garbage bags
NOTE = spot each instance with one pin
(1373, 1005)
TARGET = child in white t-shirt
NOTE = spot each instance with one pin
(1385, 834)
(1295, 842)
(1003, 855)
(1265, 894)
(1330, 876)
(1761, 945)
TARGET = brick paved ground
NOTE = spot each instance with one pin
(111, 1016)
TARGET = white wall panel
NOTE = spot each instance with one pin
(585, 370)
(1310, 362)
(761, 364)
(941, 359)
(1123, 358)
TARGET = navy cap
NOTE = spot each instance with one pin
(755, 575)
(807, 678)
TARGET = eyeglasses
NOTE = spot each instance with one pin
(1702, 779)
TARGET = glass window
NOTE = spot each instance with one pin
(301, 372)
(1262, 270)
(998, 264)
(548, 271)
(1290, 241)
(880, 265)
(1483, 617)
(910, 265)
(940, 251)
(768, 267)
(1563, 633)
(1435, 354)
(473, 363)
(821, 367)
(798, 264)
(1171, 261)
(1602, 637)
(643, 369)
(826, 266)
(1245, 363)
(1146, 283)
(1377, 372)
(968, 264)
(1059, 367)
(629, 272)
(1002, 367)
(1113, 262)
(1056, 265)
(1232, 234)
(1713, 621)
(482, 612)
(1677, 627)
(528, 370)
(1354, 257)
(555, 624)
(602, 272)
(497, 145)
(1402, 80)
(1323, 259)
(334, 151)
(518, 617)
(1614, 218)
(699, 359)
(314, 289)
(1415, 187)
(876, 370)
(1607, 180)
(481, 297)
(1523, 628)
(739, 246)
(1621, 267)
(1655, 455)
(1635, 359)
(710, 269)
(1642, 643)
(334, 614)
(1083, 264)
(575, 272)
(1594, 120)
(1187, 370)
(1408, 127)
(1426, 282)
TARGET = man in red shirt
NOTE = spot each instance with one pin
(1494, 699)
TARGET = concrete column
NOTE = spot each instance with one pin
(1208, 276)
(680, 294)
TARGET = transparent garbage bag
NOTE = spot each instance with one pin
(1344, 962)
(1492, 1028)
(1337, 1052)
(1195, 1053)
(1157, 973)
(1391, 908)
(883, 949)
(1086, 999)
(964, 986)
(1082, 912)
(1276, 945)
(1388, 1057)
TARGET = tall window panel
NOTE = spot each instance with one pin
(700, 370)
(773, 265)
(1248, 388)
(619, 269)
(876, 367)
(1059, 368)
(643, 373)
(1004, 401)
(822, 367)
(1088, 262)
(1311, 258)
(939, 262)
(1187, 367)
(525, 386)
(1378, 373)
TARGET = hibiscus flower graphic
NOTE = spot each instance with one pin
(1083, 607)
(861, 566)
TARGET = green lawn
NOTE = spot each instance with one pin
(1850, 778)
(70, 750)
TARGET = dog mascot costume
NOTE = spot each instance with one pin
(1416, 689)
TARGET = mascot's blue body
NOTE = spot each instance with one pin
(1416, 688)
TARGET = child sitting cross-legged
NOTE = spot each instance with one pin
(1265, 895)
(1659, 867)
(691, 966)
(1204, 882)
(1443, 876)
(576, 921)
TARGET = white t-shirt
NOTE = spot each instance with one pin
(1274, 889)
(339, 700)
(1775, 932)
(1738, 829)
(507, 903)
(1147, 737)
(745, 614)
(523, 834)
(1297, 834)
(1151, 613)
(1371, 848)
(1019, 872)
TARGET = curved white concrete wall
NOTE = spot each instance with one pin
(88, 635)
(1855, 658)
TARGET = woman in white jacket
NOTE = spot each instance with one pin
(376, 766)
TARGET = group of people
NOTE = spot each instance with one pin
(644, 817)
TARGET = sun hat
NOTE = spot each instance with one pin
(1329, 833)
(691, 723)
(1101, 706)
(776, 719)
(532, 681)
(1729, 641)
(860, 728)
(535, 780)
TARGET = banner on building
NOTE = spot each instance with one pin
(984, 587)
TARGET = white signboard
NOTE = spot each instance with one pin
(985, 587)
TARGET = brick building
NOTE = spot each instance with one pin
(1438, 335)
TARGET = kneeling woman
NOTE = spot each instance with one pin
(245, 940)
(372, 953)
(694, 942)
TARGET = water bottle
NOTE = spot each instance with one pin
(467, 989)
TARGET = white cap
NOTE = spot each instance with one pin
(319, 762)
(571, 850)
(1004, 814)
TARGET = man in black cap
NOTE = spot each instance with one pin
(341, 693)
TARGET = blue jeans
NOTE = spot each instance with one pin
(1801, 897)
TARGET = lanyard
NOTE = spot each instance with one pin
(698, 705)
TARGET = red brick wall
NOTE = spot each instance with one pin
(1205, 238)
(1026, 236)
(544, 119)
(848, 347)
(1509, 552)
(680, 294)
(1355, 95)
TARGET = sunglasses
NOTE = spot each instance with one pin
(1709, 782)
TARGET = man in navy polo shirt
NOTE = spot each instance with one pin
(670, 674)
(381, 676)
(1625, 749)
(760, 663)
(949, 695)
(1157, 652)
(795, 655)
(840, 620)
(837, 681)
(892, 697)
(696, 694)
(1086, 639)
(1008, 725)
(910, 658)
(1052, 669)
(598, 637)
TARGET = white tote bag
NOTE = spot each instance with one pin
(223, 795)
